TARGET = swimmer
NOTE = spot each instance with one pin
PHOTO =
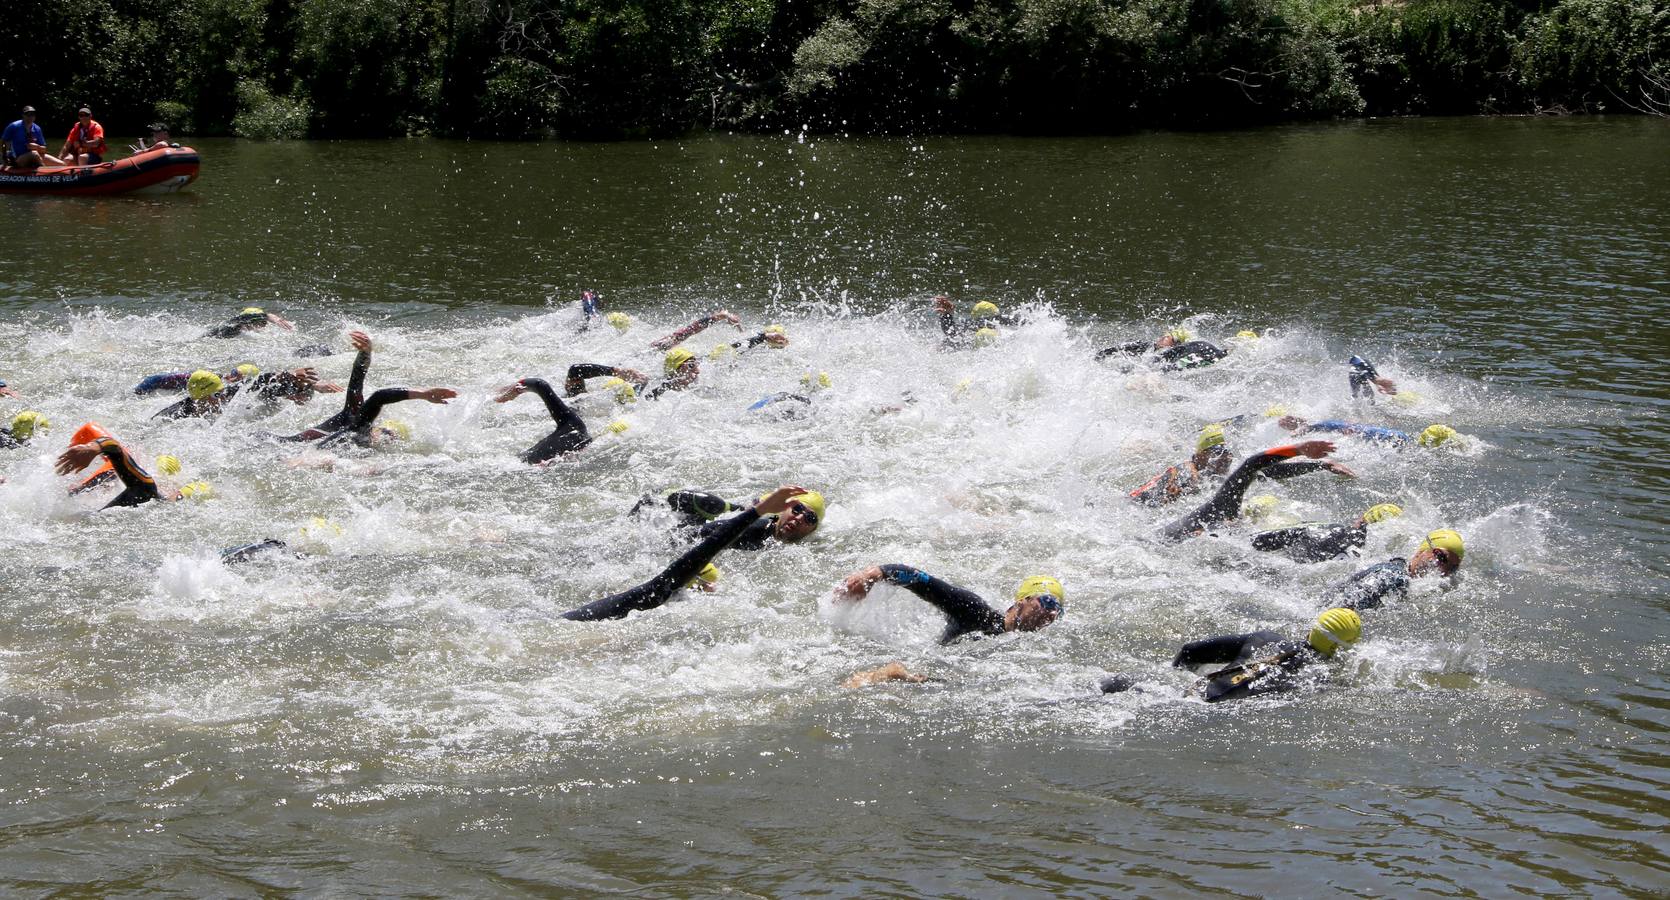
(24, 426)
(1258, 662)
(252, 318)
(1225, 505)
(570, 435)
(811, 384)
(1365, 380)
(1439, 553)
(591, 307)
(980, 329)
(1176, 349)
(355, 421)
(6, 391)
(681, 367)
(1431, 436)
(1310, 542)
(695, 328)
(1039, 601)
(232, 556)
(698, 510)
(207, 393)
(1211, 458)
(137, 484)
(689, 566)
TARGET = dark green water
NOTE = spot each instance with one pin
(401, 713)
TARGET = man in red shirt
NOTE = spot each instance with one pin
(85, 145)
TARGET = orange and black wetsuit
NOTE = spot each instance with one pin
(1225, 505)
(137, 484)
(1181, 480)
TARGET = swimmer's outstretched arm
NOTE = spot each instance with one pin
(570, 434)
(353, 398)
(965, 609)
(696, 507)
(138, 485)
(659, 589)
(694, 328)
(1226, 503)
(385, 396)
(575, 382)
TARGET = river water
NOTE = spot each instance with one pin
(402, 711)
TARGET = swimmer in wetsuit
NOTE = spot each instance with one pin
(1039, 601)
(681, 366)
(1225, 505)
(686, 567)
(137, 484)
(1439, 553)
(359, 413)
(699, 510)
(207, 393)
(252, 318)
(570, 435)
(24, 426)
(1259, 662)
(1176, 349)
(1365, 380)
(1431, 436)
(1310, 542)
(979, 330)
(1211, 458)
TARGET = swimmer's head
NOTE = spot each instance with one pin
(197, 490)
(394, 430)
(776, 329)
(248, 370)
(1442, 549)
(676, 359)
(985, 309)
(1210, 436)
(1380, 512)
(26, 423)
(623, 390)
(800, 518)
(87, 434)
(1246, 334)
(1261, 508)
(618, 426)
(1039, 600)
(720, 352)
(321, 527)
(204, 384)
(708, 578)
(620, 320)
(1275, 411)
(168, 464)
(253, 311)
(1179, 335)
(1436, 435)
(985, 337)
(816, 382)
(1336, 629)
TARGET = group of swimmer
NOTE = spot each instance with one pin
(1243, 664)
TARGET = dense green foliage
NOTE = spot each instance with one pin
(612, 68)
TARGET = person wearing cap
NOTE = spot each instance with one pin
(811, 384)
(1432, 436)
(85, 144)
(1311, 542)
(208, 393)
(1276, 462)
(1176, 349)
(1039, 600)
(251, 318)
(159, 137)
(24, 143)
(771, 336)
(138, 486)
(24, 426)
(1211, 459)
(699, 510)
(688, 566)
(980, 329)
(1258, 662)
(681, 366)
(570, 435)
(694, 328)
(354, 422)
(1439, 553)
(1364, 380)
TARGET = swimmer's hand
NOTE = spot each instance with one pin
(1339, 470)
(76, 458)
(360, 340)
(725, 315)
(510, 392)
(1292, 423)
(8, 392)
(893, 671)
(1314, 449)
(435, 395)
(776, 340)
(633, 375)
(857, 585)
(942, 304)
(1386, 385)
(280, 321)
(777, 501)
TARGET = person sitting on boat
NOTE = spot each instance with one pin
(251, 318)
(159, 138)
(85, 146)
(25, 143)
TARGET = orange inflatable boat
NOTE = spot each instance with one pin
(160, 170)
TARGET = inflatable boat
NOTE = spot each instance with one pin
(160, 170)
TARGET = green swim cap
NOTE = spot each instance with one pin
(985, 337)
(1210, 436)
(624, 391)
(676, 358)
(1436, 435)
(248, 370)
(169, 464)
(620, 320)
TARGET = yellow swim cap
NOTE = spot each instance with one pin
(1275, 411)
(197, 490)
(1335, 628)
(624, 391)
(1436, 435)
(1260, 507)
(985, 309)
(1380, 512)
(816, 382)
(776, 329)
(719, 352)
(813, 501)
(1038, 585)
(1247, 334)
(985, 337)
(1405, 398)
(248, 370)
(1179, 334)
(252, 311)
(169, 464)
(319, 525)
(1210, 436)
(676, 358)
(1444, 539)
(203, 384)
(26, 423)
(619, 426)
(708, 575)
(399, 429)
(620, 320)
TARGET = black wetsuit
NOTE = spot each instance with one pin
(1190, 355)
(235, 555)
(358, 430)
(1312, 541)
(237, 325)
(1365, 589)
(1258, 662)
(7, 441)
(964, 609)
(575, 383)
(1362, 378)
(700, 510)
(1129, 348)
(570, 434)
(359, 412)
(1225, 505)
(137, 484)
(660, 589)
(958, 333)
(268, 388)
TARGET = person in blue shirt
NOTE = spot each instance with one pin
(25, 143)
